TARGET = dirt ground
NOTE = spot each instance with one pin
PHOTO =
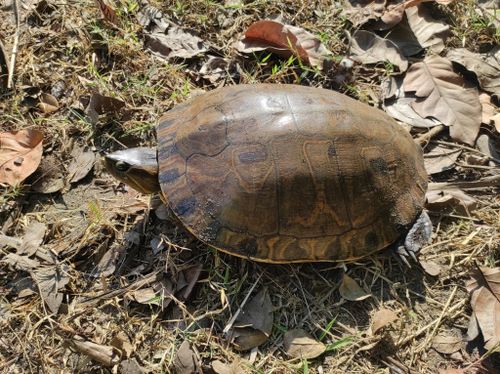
(115, 284)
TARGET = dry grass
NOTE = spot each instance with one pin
(70, 46)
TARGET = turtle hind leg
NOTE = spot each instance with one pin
(418, 235)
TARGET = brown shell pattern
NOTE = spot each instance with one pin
(286, 173)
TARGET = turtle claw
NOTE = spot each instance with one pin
(417, 237)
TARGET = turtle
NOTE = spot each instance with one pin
(283, 173)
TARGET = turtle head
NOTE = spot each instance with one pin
(137, 167)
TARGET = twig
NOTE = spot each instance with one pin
(425, 138)
(429, 325)
(10, 78)
(491, 181)
(231, 321)
(440, 318)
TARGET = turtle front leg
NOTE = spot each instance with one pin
(417, 237)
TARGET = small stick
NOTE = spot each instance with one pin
(10, 78)
(429, 325)
(231, 321)
(491, 181)
(425, 138)
(441, 316)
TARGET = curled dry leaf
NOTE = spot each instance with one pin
(402, 35)
(430, 267)
(104, 354)
(359, 12)
(440, 158)
(130, 366)
(100, 104)
(351, 291)
(447, 344)
(382, 318)
(369, 48)
(23, 263)
(449, 198)
(50, 280)
(236, 367)
(186, 361)
(33, 238)
(398, 104)
(451, 371)
(489, 110)
(4, 68)
(445, 95)
(429, 32)
(82, 162)
(48, 103)
(486, 67)
(175, 43)
(108, 12)
(49, 177)
(254, 323)
(285, 41)
(217, 69)
(20, 155)
(485, 301)
(299, 344)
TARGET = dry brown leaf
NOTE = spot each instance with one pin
(486, 67)
(122, 342)
(236, 367)
(489, 110)
(359, 12)
(48, 103)
(106, 355)
(429, 32)
(186, 361)
(451, 371)
(487, 145)
(108, 12)
(285, 41)
(398, 104)
(447, 344)
(382, 318)
(4, 68)
(403, 36)
(254, 323)
(20, 155)
(49, 177)
(350, 290)
(191, 275)
(82, 162)
(440, 158)
(130, 366)
(100, 104)
(176, 42)
(449, 198)
(217, 69)
(485, 302)
(369, 48)
(23, 263)
(444, 95)
(496, 121)
(430, 267)
(32, 239)
(50, 280)
(299, 344)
